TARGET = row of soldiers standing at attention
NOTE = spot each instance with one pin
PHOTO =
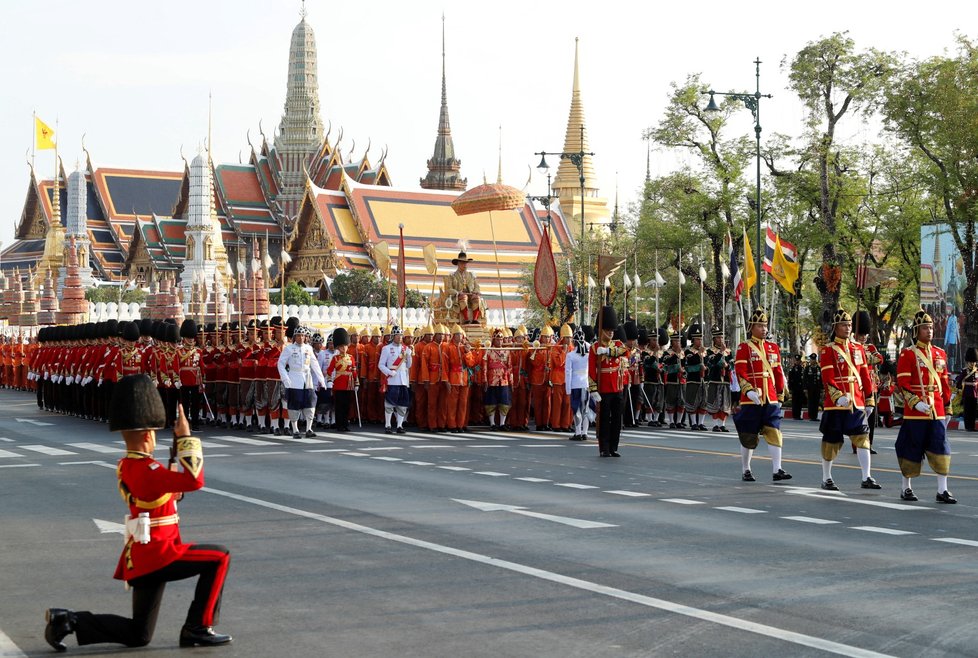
(15, 354)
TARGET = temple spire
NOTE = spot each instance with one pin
(443, 167)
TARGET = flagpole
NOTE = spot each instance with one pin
(657, 290)
(402, 266)
(679, 266)
(636, 286)
(33, 136)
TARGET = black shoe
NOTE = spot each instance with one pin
(872, 452)
(615, 453)
(724, 429)
(388, 430)
(908, 494)
(310, 434)
(296, 435)
(781, 475)
(946, 498)
(401, 430)
(716, 428)
(672, 426)
(604, 454)
(870, 483)
(829, 485)
(277, 432)
(60, 624)
(748, 477)
(203, 636)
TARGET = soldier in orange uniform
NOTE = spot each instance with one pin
(539, 364)
(434, 374)
(154, 553)
(457, 356)
(560, 412)
(849, 391)
(519, 413)
(419, 404)
(762, 384)
(923, 379)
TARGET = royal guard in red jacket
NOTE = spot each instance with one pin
(923, 379)
(849, 393)
(762, 384)
(269, 405)
(191, 375)
(342, 371)
(874, 359)
(155, 553)
(607, 365)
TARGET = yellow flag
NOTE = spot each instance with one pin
(783, 270)
(44, 135)
(750, 272)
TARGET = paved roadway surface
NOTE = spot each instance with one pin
(505, 545)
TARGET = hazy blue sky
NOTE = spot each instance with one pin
(134, 76)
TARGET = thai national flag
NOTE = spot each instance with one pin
(789, 250)
(738, 282)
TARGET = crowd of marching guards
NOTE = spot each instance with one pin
(228, 376)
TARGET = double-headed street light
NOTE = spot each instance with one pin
(577, 159)
(753, 103)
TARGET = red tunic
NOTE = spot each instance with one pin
(188, 359)
(148, 486)
(839, 379)
(607, 372)
(752, 373)
(922, 375)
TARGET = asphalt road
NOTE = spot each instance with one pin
(492, 544)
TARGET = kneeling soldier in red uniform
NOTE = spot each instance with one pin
(154, 553)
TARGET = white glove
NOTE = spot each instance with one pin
(177, 384)
(30, 376)
(601, 351)
(754, 397)
(86, 380)
(46, 376)
(99, 381)
(595, 395)
(843, 401)
(922, 407)
(77, 379)
(285, 383)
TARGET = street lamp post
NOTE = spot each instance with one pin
(753, 103)
(576, 159)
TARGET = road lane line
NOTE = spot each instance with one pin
(773, 632)
(492, 474)
(622, 492)
(48, 450)
(533, 479)
(417, 463)
(741, 510)
(95, 447)
(682, 501)
(954, 540)
(7, 453)
(17, 465)
(573, 485)
(454, 468)
(327, 450)
(356, 454)
(387, 459)
(810, 519)
(381, 448)
(882, 531)
(266, 452)
(245, 440)
(8, 649)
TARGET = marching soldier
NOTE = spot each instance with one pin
(154, 553)
(269, 410)
(654, 392)
(923, 379)
(606, 372)
(848, 391)
(796, 386)
(758, 367)
(694, 392)
(301, 376)
(675, 378)
(394, 365)
(967, 383)
(633, 390)
(718, 381)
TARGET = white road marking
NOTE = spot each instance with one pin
(48, 450)
(289, 439)
(835, 496)
(387, 459)
(381, 448)
(882, 531)
(17, 465)
(359, 439)
(779, 634)
(96, 447)
(485, 446)
(211, 445)
(490, 437)
(5, 439)
(573, 485)
(682, 501)
(435, 447)
(406, 437)
(633, 494)
(954, 540)
(39, 423)
(7, 453)
(266, 452)
(533, 479)
(356, 454)
(522, 511)
(8, 649)
(492, 474)
(328, 450)
(456, 438)
(810, 519)
(741, 510)
(454, 468)
(109, 527)
(417, 463)
(540, 445)
(245, 440)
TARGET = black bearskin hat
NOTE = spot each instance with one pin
(170, 333)
(971, 356)
(606, 319)
(663, 336)
(130, 332)
(619, 333)
(588, 332)
(643, 336)
(188, 329)
(136, 405)
(631, 330)
(340, 337)
(145, 327)
(111, 328)
(861, 323)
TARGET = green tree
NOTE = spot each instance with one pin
(295, 294)
(933, 107)
(354, 288)
(111, 294)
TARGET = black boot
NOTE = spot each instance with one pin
(60, 624)
(204, 636)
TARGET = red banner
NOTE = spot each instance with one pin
(545, 272)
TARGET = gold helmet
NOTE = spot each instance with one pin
(922, 318)
(427, 330)
(521, 330)
(566, 331)
(408, 332)
(507, 333)
(758, 317)
(352, 330)
(456, 329)
(841, 316)
(547, 331)
(441, 329)
(375, 332)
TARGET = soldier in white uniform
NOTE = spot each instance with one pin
(301, 376)
(394, 363)
(576, 385)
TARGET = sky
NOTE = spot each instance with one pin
(134, 77)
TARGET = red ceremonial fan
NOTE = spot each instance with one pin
(545, 272)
